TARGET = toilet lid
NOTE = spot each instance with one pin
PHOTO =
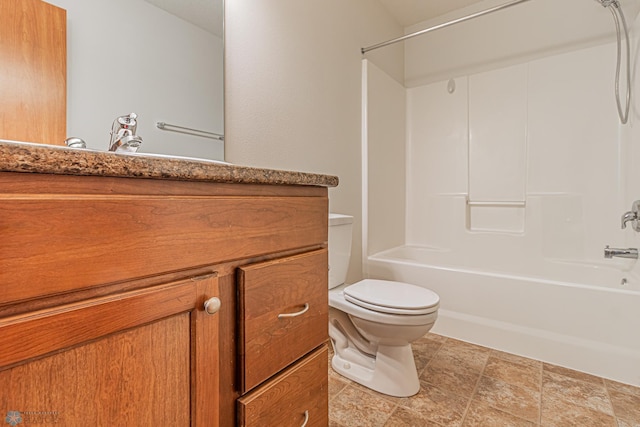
(392, 297)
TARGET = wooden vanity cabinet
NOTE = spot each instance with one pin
(103, 284)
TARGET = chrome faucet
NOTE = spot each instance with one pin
(631, 253)
(123, 134)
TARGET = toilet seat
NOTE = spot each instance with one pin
(338, 301)
(392, 297)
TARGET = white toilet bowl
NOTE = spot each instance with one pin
(372, 324)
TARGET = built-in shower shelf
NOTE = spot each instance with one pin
(498, 204)
(501, 216)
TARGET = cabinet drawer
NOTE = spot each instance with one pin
(299, 393)
(283, 309)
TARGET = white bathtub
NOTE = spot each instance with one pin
(581, 316)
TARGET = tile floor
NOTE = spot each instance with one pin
(467, 385)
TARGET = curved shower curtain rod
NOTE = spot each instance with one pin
(443, 25)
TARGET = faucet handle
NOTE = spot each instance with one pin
(628, 216)
(633, 215)
(128, 122)
(75, 142)
(130, 119)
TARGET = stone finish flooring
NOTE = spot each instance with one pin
(467, 385)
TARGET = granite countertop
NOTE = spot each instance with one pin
(52, 159)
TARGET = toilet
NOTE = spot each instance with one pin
(372, 323)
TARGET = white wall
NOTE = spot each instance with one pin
(293, 89)
(129, 56)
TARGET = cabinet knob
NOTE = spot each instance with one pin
(306, 419)
(212, 305)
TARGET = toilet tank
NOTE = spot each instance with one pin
(340, 228)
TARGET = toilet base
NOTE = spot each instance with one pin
(392, 371)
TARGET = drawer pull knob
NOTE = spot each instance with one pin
(297, 313)
(306, 418)
(212, 305)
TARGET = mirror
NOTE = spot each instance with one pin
(162, 59)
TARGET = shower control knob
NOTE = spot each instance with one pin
(632, 216)
(212, 305)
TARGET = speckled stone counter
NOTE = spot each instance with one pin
(38, 158)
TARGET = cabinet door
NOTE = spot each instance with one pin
(140, 358)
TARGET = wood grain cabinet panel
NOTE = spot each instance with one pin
(283, 313)
(295, 397)
(33, 81)
(140, 358)
(72, 242)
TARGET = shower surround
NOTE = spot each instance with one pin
(508, 183)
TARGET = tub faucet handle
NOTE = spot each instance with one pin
(633, 215)
(628, 216)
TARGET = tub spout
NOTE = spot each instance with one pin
(631, 253)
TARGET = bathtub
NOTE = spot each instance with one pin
(584, 316)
